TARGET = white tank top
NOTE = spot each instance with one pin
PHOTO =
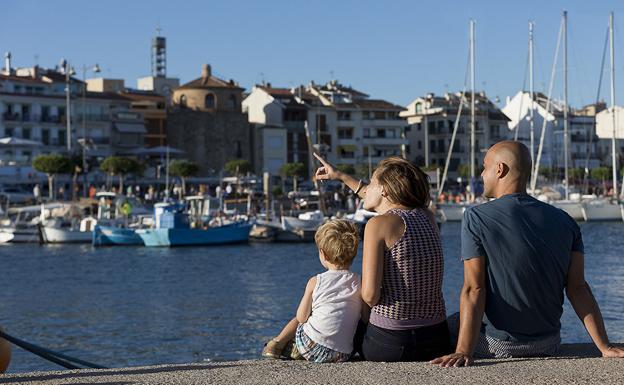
(336, 305)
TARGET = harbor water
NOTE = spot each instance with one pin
(124, 306)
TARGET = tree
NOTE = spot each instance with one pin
(183, 169)
(464, 171)
(120, 165)
(600, 173)
(52, 165)
(237, 166)
(293, 170)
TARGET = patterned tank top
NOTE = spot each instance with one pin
(411, 292)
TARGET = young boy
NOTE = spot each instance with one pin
(330, 308)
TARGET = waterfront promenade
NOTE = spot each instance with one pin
(576, 364)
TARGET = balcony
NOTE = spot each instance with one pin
(384, 141)
(11, 117)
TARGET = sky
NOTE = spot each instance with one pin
(393, 50)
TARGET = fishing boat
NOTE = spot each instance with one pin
(60, 230)
(173, 228)
(111, 236)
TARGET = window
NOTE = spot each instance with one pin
(344, 115)
(432, 127)
(345, 132)
(26, 133)
(232, 103)
(183, 101)
(418, 107)
(419, 144)
(62, 138)
(441, 145)
(432, 146)
(381, 132)
(8, 131)
(380, 115)
(209, 101)
(45, 113)
(440, 125)
(45, 136)
(418, 126)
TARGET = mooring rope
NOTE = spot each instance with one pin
(50, 355)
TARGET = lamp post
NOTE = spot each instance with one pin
(85, 140)
(69, 71)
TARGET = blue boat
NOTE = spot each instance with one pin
(177, 227)
(110, 236)
(230, 233)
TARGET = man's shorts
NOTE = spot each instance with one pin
(490, 347)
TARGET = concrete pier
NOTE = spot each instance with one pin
(576, 364)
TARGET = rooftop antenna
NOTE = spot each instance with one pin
(159, 55)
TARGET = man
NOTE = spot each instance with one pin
(519, 255)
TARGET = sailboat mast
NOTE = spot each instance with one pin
(531, 92)
(565, 103)
(472, 109)
(613, 141)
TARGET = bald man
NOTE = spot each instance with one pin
(519, 255)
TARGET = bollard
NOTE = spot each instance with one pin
(5, 354)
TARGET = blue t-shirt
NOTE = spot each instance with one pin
(527, 245)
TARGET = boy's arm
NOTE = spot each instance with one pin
(586, 307)
(305, 306)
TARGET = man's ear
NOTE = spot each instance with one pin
(501, 169)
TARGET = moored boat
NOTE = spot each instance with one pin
(230, 233)
(603, 210)
(110, 236)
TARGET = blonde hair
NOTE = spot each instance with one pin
(404, 183)
(338, 239)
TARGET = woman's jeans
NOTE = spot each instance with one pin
(422, 344)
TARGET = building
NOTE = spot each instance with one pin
(343, 124)
(278, 118)
(432, 120)
(207, 123)
(604, 132)
(583, 147)
(33, 108)
(353, 129)
(153, 107)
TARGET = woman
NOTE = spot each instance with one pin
(402, 265)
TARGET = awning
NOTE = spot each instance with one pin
(131, 128)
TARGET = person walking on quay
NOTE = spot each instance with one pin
(520, 255)
(329, 311)
(402, 265)
(37, 193)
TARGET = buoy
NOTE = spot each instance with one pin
(5, 354)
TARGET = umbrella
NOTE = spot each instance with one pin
(11, 141)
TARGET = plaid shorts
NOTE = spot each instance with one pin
(490, 347)
(314, 352)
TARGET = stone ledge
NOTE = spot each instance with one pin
(576, 364)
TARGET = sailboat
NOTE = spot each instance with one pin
(454, 212)
(603, 209)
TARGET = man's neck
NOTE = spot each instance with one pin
(511, 190)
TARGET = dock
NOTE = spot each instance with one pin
(576, 364)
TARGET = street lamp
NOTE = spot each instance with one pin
(85, 140)
(69, 71)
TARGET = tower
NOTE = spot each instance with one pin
(159, 56)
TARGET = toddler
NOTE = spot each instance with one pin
(329, 311)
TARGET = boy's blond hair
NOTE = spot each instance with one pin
(338, 239)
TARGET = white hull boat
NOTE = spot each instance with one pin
(603, 210)
(55, 232)
(452, 212)
(19, 235)
(574, 209)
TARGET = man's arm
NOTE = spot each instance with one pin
(471, 308)
(585, 305)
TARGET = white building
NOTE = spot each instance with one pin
(432, 119)
(346, 125)
(33, 108)
(582, 147)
